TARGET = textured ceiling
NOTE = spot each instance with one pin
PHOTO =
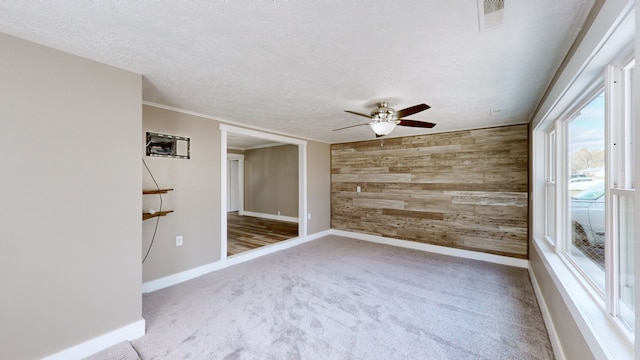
(293, 67)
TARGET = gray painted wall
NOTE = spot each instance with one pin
(318, 187)
(70, 216)
(573, 343)
(271, 180)
(196, 197)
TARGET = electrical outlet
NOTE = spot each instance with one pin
(309, 216)
(358, 189)
(179, 240)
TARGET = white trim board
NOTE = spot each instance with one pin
(228, 121)
(177, 278)
(97, 344)
(270, 216)
(302, 178)
(556, 344)
(467, 254)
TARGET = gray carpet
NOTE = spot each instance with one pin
(339, 298)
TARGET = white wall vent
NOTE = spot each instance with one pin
(490, 14)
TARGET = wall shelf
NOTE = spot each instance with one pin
(155, 191)
(146, 215)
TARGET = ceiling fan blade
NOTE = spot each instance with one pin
(412, 110)
(416, 123)
(357, 113)
(350, 126)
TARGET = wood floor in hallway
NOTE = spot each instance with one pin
(247, 232)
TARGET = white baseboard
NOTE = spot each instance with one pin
(183, 276)
(97, 344)
(270, 216)
(269, 249)
(546, 316)
(237, 259)
(253, 254)
(497, 259)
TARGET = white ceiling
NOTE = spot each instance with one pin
(293, 67)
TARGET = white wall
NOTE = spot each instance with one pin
(70, 209)
(318, 186)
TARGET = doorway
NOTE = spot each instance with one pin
(235, 183)
(245, 215)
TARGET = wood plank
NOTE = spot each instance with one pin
(489, 198)
(413, 214)
(465, 189)
(146, 216)
(520, 177)
(476, 187)
(247, 232)
(344, 178)
(364, 170)
(155, 191)
(378, 203)
(384, 178)
(496, 244)
(447, 177)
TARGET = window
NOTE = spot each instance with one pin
(589, 192)
(622, 192)
(584, 169)
(586, 204)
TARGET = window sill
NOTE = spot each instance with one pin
(600, 332)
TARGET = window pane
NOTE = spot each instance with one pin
(550, 224)
(630, 152)
(550, 186)
(626, 284)
(587, 190)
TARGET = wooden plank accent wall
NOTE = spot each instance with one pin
(464, 189)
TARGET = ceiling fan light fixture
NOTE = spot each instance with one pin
(384, 113)
(382, 128)
(384, 119)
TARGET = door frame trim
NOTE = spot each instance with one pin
(302, 178)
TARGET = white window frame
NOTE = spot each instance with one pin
(617, 183)
(596, 300)
(620, 173)
(550, 165)
(564, 234)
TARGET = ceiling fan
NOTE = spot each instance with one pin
(384, 119)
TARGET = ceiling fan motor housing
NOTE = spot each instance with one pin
(383, 113)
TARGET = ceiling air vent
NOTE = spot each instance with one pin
(490, 14)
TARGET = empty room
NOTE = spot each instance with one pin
(319, 179)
